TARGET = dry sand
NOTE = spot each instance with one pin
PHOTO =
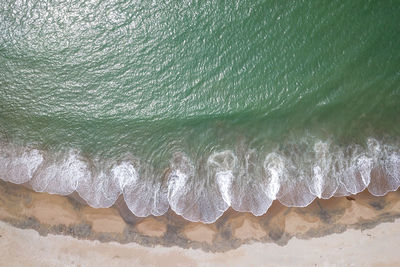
(375, 247)
(39, 229)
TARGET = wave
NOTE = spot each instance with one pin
(294, 174)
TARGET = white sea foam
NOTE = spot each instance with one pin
(274, 168)
(61, 174)
(245, 181)
(98, 188)
(17, 165)
(145, 197)
(221, 166)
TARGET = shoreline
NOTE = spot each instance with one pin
(66, 216)
(205, 199)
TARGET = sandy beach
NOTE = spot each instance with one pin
(47, 230)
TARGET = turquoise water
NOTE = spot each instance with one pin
(199, 106)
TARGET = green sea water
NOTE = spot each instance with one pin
(152, 82)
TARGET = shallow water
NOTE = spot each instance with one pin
(200, 106)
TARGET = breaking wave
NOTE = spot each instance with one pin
(203, 189)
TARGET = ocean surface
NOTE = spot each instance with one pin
(199, 106)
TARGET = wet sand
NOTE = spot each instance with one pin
(43, 229)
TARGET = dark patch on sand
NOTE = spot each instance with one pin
(76, 201)
(226, 233)
(125, 213)
(275, 234)
(81, 230)
(325, 216)
(378, 205)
